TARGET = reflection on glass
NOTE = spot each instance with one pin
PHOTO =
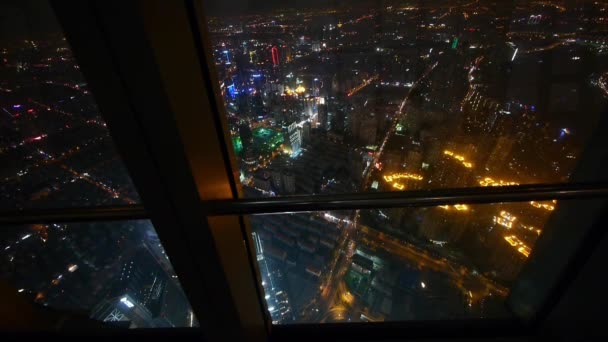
(55, 150)
(445, 262)
(116, 272)
(398, 95)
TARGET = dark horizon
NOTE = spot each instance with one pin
(244, 7)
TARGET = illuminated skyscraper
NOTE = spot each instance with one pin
(139, 294)
(295, 138)
(227, 58)
(123, 311)
(142, 278)
(275, 55)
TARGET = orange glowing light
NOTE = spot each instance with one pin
(458, 207)
(549, 207)
(488, 181)
(516, 243)
(461, 207)
(504, 219)
(458, 157)
(393, 177)
(511, 240)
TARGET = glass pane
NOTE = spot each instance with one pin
(55, 150)
(115, 272)
(434, 263)
(380, 96)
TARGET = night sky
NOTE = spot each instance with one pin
(23, 19)
(251, 6)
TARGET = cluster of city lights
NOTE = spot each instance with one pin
(545, 206)
(347, 297)
(531, 228)
(458, 157)
(505, 219)
(398, 186)
(487, 181)
(298, 91)
(362, 85)
(518, 244)
(458, 207)
(393, 177)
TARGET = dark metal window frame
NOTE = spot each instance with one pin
(147, 64)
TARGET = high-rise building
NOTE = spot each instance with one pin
(338, 119)
(123, 311)
(322, 117)
(306, 133)
(246, 135)
(277, 179)
(275, 55)
(289, 181)
(295, 138)
(339, 83)
(142, 278)
(139, 293)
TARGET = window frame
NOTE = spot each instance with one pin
(169, 127)
(148, 108)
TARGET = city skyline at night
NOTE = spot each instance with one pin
(405, 96)
(322, 98)
(56, 152)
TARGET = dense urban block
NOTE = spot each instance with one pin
(396, 96)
